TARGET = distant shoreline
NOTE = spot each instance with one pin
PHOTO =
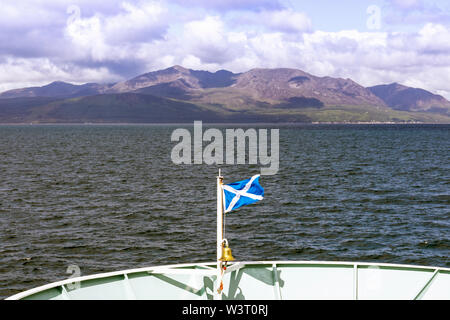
(215, 123)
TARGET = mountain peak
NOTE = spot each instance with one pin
(403, 98)
(58, 83)
(177, 76)
(179, 68)
(395, 85)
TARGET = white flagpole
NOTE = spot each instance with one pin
(219, 232)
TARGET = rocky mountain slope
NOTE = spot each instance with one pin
(282, 94)
(404, 98)
(57, 89)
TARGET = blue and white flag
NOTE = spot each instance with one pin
(241, 193)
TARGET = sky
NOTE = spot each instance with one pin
(372, 42)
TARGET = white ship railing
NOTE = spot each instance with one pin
(257, 280)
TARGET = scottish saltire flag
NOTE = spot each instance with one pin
(241, 193)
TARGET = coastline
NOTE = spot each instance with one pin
(222, 123)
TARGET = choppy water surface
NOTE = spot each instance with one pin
(109, 198)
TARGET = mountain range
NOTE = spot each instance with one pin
(177, 95)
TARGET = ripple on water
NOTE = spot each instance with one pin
(109, 198)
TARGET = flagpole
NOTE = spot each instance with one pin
(219, 232)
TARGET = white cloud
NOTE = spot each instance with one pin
(287, 20)
(136, 23)
(87, 38)
(415, 13)
(21, 72)
(209, 41)
(407, 4)
(281, 20)
(113, 37)
(22, 15)
(232, 5)
(434, 38)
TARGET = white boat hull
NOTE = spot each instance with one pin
(260, 280)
